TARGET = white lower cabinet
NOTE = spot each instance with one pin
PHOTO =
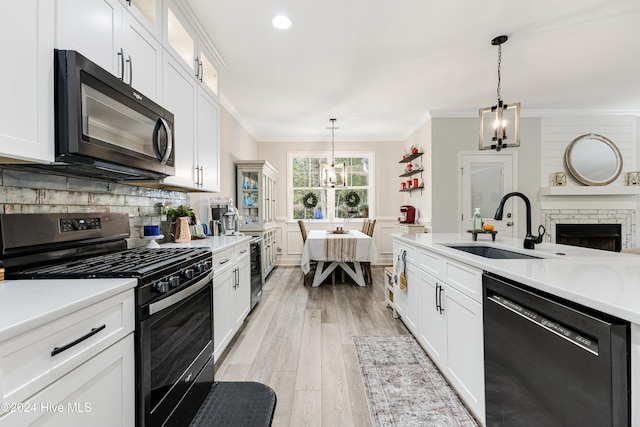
(465, 349)
(433, 322)
(442, 308)
(77, 370)
(412, 309)
(231, 294)
(242, 291)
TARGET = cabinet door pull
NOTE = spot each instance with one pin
(437, 305)
(441, 307)
(58, 350)
(121, 57)
(197, 68)
(225, 261)
(242, 252)
(130, 61)
(201, 71)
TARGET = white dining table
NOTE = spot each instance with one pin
(332, 250)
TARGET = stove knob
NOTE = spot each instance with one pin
(199, 267)
(188, 273)
(161, 286)
(174, 281)
(208, 265)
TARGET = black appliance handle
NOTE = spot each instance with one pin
(167, 302)
(575, 338)
(58, 350)
(163, 157)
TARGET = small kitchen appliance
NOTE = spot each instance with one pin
(407, 214)
(230, 222)
(219, 207)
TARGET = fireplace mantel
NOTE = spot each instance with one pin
(600, 190)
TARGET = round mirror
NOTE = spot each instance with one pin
(593, 160)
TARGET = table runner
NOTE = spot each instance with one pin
(340, 248)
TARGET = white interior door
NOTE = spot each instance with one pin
(485, 179)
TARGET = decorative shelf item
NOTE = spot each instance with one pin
(414, 184)
(410, 157)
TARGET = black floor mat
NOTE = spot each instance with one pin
(232, 404)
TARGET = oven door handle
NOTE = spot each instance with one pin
(156, 307)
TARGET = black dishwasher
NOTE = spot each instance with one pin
(551, 362)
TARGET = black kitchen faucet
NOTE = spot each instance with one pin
(529, 240)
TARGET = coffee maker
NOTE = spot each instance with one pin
(219, 207)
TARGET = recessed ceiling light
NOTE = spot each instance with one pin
(282, 22)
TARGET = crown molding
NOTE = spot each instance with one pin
(234, 113)
(539, 112)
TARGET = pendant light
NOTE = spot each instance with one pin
(500, 124)
(331, 175)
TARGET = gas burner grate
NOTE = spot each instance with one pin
(131, 262)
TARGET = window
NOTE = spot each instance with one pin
(309, 199)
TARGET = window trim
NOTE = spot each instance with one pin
(370, 155)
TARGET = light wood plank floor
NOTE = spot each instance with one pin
(299, 341)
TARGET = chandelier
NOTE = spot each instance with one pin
(333, 175)
(501, 120)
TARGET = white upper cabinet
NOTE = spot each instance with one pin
(187, 94)
(108, 34)
(149, 13)
(26, 81)
(208, 148)
(180, 93)
(183, 43)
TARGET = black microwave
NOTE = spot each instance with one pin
(105, 128)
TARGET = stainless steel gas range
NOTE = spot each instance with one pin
(174, 299)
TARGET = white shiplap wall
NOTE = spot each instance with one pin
(558, 132)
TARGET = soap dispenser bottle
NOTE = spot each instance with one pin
(477, 220)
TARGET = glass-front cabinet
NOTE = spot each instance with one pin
(256, 181)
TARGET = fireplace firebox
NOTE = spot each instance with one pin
(607, 237)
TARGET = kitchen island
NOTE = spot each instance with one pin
(451, 280)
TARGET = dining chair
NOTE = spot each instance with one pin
(303, 230)
(365, 226)
(312, 264)
(366, 266)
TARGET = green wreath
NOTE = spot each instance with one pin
(310, 200)
(352, 199)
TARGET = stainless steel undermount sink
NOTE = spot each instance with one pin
(492, 252)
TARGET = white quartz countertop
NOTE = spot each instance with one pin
(28, 304)
(603, 280)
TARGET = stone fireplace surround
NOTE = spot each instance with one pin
(624, 217)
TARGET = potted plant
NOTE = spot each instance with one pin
(180, 211)
(364, 209)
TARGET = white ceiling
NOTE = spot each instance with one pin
(383, 67)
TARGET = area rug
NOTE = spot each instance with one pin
(403, 386)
